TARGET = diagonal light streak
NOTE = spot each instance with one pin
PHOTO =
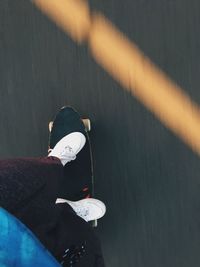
(126, 63)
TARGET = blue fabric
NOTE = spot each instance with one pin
(19, 247)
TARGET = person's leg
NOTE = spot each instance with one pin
(29, 186)
(31, 189)
(70, 235)
(22, 178)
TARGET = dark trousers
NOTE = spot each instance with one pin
(28, 190)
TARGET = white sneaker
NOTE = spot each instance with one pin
(68, 147)
(89, 208)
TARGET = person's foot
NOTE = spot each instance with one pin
(89, 209)
(68, 147)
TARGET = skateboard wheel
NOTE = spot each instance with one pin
(50, 126)
(87, 124)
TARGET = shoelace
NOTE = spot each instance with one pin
(82, 211)
(68, 153)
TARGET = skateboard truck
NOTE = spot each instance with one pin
(86, 122)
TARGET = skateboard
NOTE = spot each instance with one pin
(78, 182)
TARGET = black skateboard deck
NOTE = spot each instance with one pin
(78, 182)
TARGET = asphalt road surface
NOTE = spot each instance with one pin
(149, 179)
